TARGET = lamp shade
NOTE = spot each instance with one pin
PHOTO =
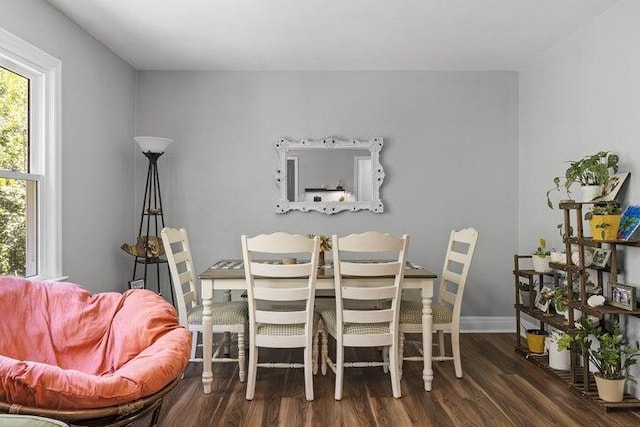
(153, 144)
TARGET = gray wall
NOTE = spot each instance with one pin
(581, 97)
(450, 155)
(98, 90)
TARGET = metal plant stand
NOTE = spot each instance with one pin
(152, 213)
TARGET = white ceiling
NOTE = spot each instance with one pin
(330, 34)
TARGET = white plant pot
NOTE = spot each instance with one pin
(610, 390)
(541, 264)
(557, 359)
(558, 257)
(590, 192)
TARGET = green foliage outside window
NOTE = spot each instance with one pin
(14, 129)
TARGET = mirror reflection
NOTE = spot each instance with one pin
(329, 175)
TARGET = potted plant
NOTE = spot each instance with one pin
(611, 359)
(604, 220)
(541, 258)
(591, 172)
(561, 301)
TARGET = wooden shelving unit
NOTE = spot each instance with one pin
(577, 378)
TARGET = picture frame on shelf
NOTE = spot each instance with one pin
(137, 284)
(540, 303)
(600, 257)
(629, 222)
(613, 186)
(622, 296)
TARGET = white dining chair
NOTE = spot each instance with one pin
(366, 325)
(281, 313)
(228, 317)
(446, 310)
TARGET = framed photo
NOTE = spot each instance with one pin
(601, 257)
(136, 284)
(612, 187)
(541, 302)
(622, 296)
(629, 222)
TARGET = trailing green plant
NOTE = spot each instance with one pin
(590, 170)
(560, 227)
(614, 355)
(561, 299)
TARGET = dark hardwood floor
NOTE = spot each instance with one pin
(499, 388)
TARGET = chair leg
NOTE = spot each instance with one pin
(339, 369)
(455, 348)
(194, 344)
(241, 357)
(308, 374)
(314, 355)
(385, 359)
(393, 369)
(253, 367)
(443, 353)
(400, 353)
(325, 351)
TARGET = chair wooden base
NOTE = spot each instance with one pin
(113, 416)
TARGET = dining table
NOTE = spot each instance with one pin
(228, 275)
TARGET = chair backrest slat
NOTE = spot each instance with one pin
(364, 269)
(281, 270)
(280, 294)
(280, 317)
(367, 316)
(368, 292)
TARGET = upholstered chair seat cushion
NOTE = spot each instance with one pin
(224, 313)
(329, 320)
(411, 313)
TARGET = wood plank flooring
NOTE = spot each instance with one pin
(499, 388)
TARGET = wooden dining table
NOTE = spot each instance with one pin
(228, 275)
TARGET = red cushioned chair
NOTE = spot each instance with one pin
(66, 354)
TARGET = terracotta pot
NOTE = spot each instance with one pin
(604, 227)
(610, 390)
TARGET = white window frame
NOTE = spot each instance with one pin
(44, 72)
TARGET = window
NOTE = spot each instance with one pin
(29, 161)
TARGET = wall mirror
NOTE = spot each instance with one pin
(329, 175)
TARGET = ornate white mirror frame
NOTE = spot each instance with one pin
(284, 147)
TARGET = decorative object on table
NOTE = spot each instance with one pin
(541, 258)
(289, 261)
(604, 219)
(629, 222)
(149, 249)
(592, 172)
(325, 245)
(558, 359)
(595, 301)
(612, 357)
(535, 340)
(623, 296)
(613, 186)
(601, 257)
